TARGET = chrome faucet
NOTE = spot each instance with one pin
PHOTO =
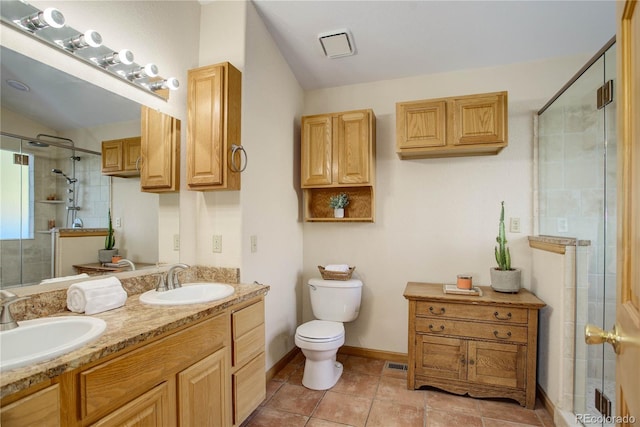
(172, 278)
(123, 262)
(6, 320)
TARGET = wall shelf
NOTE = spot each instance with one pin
(51, 202)
(360, 208)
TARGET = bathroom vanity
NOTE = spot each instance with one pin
(483, 346)
(200, 364)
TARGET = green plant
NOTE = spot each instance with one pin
(339, 201)
(503, 257)
(110, 240)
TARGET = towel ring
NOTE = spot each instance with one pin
(234, 167)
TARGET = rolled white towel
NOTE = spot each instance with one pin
(96, 296)
(340, 268)
(65, 278)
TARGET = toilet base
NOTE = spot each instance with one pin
(321, 374)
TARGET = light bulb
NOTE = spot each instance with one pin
(149, 70)
(89, 38)
(50, 17)
(171, 83)
(125, 57)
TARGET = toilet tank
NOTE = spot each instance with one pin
(336, 300)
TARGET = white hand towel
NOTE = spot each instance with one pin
(96, 296)
(65, 278)
(341, 268)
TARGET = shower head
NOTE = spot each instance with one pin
(59, 172)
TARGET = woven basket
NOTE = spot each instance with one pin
(335, 275)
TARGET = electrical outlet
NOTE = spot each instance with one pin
(217, 243)
(514, 226)
(176, 242)
(117, 222)
(563, 225)
(254, 243)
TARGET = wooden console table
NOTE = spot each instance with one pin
(483, 346)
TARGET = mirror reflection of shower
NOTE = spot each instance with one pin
(72, 220)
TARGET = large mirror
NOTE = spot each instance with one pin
(56, 188)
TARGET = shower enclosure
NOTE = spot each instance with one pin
(577, 198)
(45, 184)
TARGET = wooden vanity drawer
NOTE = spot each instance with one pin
(248, 346)
(469, 311)
(246, 319)
(459, 328)
(109, 384)
(249, 388)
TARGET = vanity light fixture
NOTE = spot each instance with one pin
(149, 70)
(171, 83)
(50, 17)
(89, 38)
(125, 57)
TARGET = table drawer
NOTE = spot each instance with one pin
(464, 329)
(473, 312)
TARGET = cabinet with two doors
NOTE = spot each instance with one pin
(470, 125)
(484, 346)
(338, 156)
(154, 156)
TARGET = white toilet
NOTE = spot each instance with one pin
(332, 302)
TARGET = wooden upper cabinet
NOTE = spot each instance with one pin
(120, 157)
(213, 127)
(160, 152)
(338, 149)
(458, 126)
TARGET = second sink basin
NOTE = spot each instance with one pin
(46, 338)
(189, 293)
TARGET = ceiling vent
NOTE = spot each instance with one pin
(336, 44)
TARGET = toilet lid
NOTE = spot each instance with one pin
(320, 330)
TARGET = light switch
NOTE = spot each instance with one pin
(217, 243)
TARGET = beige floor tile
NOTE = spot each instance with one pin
(295, 377)
(387, 413)
(395, 373)
(296, 399)
(450, 419)
(267, 417)
(490, 422)
(508, 411)
(272, 388)
(396, 389)
(284, 373)
(364, 365)
(317, 422)
(344, 409)
(444, 401)
(357, 384)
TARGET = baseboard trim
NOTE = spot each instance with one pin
(374, 354)
(546, 402)
(277, 367)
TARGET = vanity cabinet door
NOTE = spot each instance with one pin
(160, 152)
(152, 409)
(41, 408)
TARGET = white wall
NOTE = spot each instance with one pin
(435, 218)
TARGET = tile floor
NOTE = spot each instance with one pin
(368, 394)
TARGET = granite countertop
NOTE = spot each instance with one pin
(129, 325)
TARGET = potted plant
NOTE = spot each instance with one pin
(503, 277)
(338, 204)
(106, 254)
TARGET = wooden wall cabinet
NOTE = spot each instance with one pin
(120, 157)
(482, 346)
(338, 155)
(470, 125)
(213, 126)
(160, 152)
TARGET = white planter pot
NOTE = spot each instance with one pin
(506, 280)
(338, 213)
(104, 255)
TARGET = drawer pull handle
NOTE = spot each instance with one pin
(496, 333)
(463, 360)
(437, 314)
(433, 329)
(472, 362)
(497, 316)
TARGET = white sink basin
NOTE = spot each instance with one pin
(189, 293)
(46, 338)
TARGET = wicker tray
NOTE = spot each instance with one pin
(335, 275)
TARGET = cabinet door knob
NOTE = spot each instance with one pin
(463, 360)
(432, 311)
(497, 316)
(472, 362)
(497, 335)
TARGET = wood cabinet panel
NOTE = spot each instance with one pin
(316, 152)
(471, 125)
(249, 388)
(160, 152)
(152, 409)
(248, 346)
(247, 318)
(41, 408)
(354, 148)
(482, 346)
(202, 392)
(213, 126)
(120, 157)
